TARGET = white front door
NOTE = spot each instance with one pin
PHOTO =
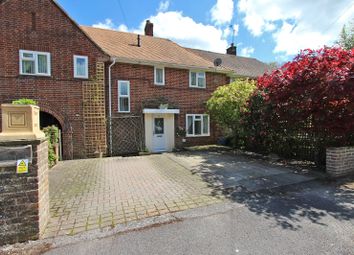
(158, 136)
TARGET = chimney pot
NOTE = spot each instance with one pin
(232, 50)
(149, 28)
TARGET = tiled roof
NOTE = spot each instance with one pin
(153, 50)
(241, 66)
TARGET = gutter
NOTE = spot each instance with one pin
(110, 104)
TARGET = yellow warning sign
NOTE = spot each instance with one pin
(22, 166)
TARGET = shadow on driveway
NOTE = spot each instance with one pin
(286, 195)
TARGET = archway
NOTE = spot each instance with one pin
(46, 119)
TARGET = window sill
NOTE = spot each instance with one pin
(159, 84)
(81, 78)
(191, 87)
(35, 75)
(191, 136)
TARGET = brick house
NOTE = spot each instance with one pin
(159, 89)
(40, 45)
(109, 89)
(151, 72)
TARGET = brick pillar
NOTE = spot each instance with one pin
(24, 198)
(340, 161)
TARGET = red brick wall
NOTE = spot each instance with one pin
(60, 94)
(176, 90)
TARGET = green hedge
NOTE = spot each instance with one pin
(52, 134)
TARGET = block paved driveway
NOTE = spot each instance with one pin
(101, 193)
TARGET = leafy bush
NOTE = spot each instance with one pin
(305, 104)
(228, 103)
(52, 134)
(25, 101)
(316, 87)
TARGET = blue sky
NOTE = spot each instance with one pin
(270, 30)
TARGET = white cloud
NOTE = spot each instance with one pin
(222, 12)
(296, 25)
(163, 6)
(229, 30)
(107, 24)
(122, 28)
(186, 32)
(247, 51)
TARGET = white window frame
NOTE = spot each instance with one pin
(123, 96)
(163, 76)
(35, 59)
(75, 67)
(199, 74)
(202, 125)
(232, 79)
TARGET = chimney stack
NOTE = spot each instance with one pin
(149, 28)
(232, 50)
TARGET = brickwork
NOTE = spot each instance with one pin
(61, 95)
(24, 198)
(94, 113)
(176, 92)
(340, 161)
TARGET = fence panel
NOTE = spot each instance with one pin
(127, 135)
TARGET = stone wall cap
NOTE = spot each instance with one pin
(340, 148)
(20, 105)
(22, 142)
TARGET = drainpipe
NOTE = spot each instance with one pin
(110, 104)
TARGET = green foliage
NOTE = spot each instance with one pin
(52, 134)
(227, 106)
(228, 102)
(25, 101)
(346, 37)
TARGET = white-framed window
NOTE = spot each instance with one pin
(197, 79)
(159, 75)
(123, 96)
(232, 79)
(81, 67)
(197, 125)
(34, 63)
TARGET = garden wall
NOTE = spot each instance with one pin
(340, 161)
(24, 198)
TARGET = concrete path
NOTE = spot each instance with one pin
(226, 172)
(315, 219)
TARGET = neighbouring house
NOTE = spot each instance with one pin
(47, 57)
(109, 91)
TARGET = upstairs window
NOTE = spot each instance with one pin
(197, 125)
(197, 79)
(81, 67)
(123, 96)
(159, 76)
(34, 63)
